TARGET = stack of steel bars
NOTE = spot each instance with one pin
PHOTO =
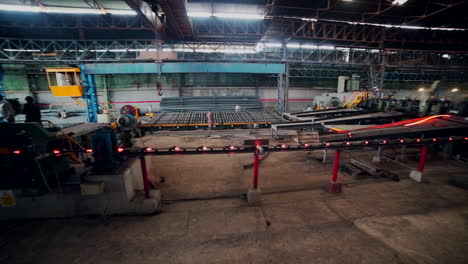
(219, 118)
(210, 103)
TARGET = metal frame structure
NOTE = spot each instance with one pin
(319, 30)
(79, 22)
(382, 63)
(101, 51)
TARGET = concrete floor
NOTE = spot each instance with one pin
(372, 221)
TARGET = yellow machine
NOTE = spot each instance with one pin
(358, 97)
(65, 81)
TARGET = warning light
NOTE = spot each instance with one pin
(284, 146)
(56, 151)
(348, 143)
(232, 148)
(350, 135)
(120, 149)
(434, 139)
(402, 141)
(418, 140)
(149, 149)
(89, 151)
(384, 141)
(177, 149)
(205, 148)
(450, 138)
(17, 152)
(466, 138)
(327, 144)
(366, 142)
(306, 145)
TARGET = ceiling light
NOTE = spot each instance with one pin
(227, 50)
(20, 8)
(64, 10)
(236, 51)
(293, 45)
(309, 19)
(199, 14)
(421, 89)
(273, 45)
(343, 49)
(401, 26)
(184, 50)
(399, 2)
(23, 50)
(327, 47)
(120, 12)
(309, 46)
(226, 15)
(239, 16)
(454, 90)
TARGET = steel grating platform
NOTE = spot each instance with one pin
(220, 119)
(83, 129)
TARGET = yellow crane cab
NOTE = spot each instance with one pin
(65, 81)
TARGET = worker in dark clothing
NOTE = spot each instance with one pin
(7, 112)
(31, 110)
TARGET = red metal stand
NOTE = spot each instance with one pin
(333, 186)
(255, 177)
(336, 165)
(144, 172)
(422, 160)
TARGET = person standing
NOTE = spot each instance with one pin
(7, 111)
(31, 110)
(210, 117)
(237, 108)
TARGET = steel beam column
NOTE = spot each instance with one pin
(90, 95)
(282, 85)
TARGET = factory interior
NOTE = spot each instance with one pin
(234, 131)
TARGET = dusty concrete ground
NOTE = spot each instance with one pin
(372, 221)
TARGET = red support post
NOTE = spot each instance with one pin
(336, 165)
(422, 160)
(255, 177)
(333, 186)
(144, 172)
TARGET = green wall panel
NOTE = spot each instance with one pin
(16, 80)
